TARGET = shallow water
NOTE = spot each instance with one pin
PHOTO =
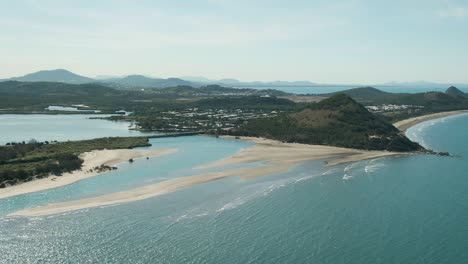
(410, 209)
(139, 173)
(17, 128)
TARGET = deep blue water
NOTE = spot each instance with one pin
(410, 209)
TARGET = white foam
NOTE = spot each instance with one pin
(349, 169)
(192, 213)
(264, 189)
(252, 192)
(351, 166)
(373, 166)
(417, 132)
(233, 204)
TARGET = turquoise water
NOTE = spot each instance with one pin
(139, 173)
(411, 209)
(17, 128)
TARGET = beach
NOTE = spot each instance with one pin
(91, 160)
(274, 157)
(407, 123)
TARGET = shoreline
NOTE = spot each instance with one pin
(405, 124)
(91, 160)
(276, 157)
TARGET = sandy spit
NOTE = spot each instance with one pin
(91, 160)
(276, 157)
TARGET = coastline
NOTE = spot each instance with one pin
(405, 124)
(91, 160)
(275, 156)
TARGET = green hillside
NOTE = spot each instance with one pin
(37, 95)
(59, 75)
(336, 121)
(368, 95)
(454, 91)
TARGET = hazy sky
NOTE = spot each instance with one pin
(349, 41)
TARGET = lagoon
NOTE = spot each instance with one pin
(17, 128)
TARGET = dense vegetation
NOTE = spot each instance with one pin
(337, 121)
(217, 108)
(35, 96)
(420, 103)
(454, 91)
(21, 162)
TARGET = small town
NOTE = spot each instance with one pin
(196, 119)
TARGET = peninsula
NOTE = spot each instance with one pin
(26, 163)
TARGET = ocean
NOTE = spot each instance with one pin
(408, 209)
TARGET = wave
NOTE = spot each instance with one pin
(250, 193)
(349, 169)
(192, 213)
(265, 189)
(373, 166)
(368, 167)
(417, 133)
(233, 204)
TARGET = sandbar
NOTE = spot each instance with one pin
(275, 157)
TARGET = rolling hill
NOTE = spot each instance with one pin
(336, 121)
(368, 95)
(37, 95)
(59, 75)
(436, 101)
(452, 90)
(140, 81)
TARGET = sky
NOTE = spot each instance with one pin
(323, 41)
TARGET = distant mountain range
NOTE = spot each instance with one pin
(140, 81)
(371, 95)
(237, 83)
(421, 84)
